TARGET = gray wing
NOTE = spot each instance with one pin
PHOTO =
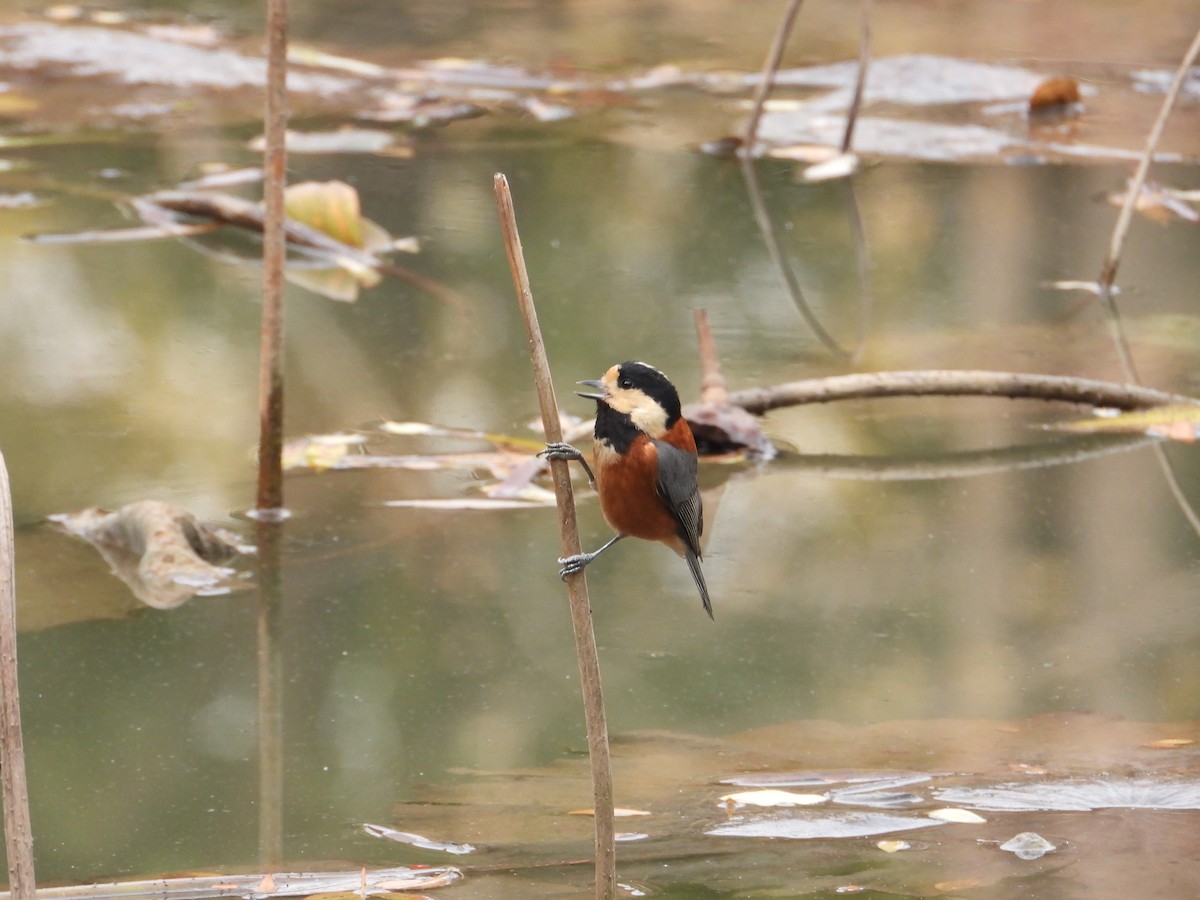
(677, 487)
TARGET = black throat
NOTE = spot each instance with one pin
(615, 428)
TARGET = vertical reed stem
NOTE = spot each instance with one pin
(270, 366)
(18, 832)
(577, 593)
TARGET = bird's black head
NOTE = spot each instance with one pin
(640, 392)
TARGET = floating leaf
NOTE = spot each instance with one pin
(1081, 795)
(416, 840)
(162, 552)
(426, 429)
(1179, 422)
(341, 140)
(1158, 203)
(893, 846)
(320, 452)
(331, 207)
(841, 166)
(774, 798)
(959, 816)
(461, 503)
(809, 827)
(1054, 94)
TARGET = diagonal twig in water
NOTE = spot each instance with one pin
(864, 63)
(1108, 273)
(767, 81)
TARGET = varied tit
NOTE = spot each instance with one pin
(645, 459)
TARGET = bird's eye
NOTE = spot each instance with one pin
(625, 383)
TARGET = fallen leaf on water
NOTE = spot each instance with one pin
(416, 840)
(319, 452)
(1169, 744)
(960, 816)
(1054, 93)
(331, 207)
(426, 429)
(1158, 203)
(162, 552)
(1179, 422)
(841, 166)
(774, 798)
(342, 140)
(892, 846)
(461, 503)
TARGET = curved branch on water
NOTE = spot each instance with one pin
(955, 383)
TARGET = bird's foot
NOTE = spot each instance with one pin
(561, 450)
(564, 451)
(574, 564)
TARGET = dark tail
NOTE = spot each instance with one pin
(693, 562)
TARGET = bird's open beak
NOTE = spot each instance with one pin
(598, 385)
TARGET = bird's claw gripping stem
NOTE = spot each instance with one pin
(564, 451)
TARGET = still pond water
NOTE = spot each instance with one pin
(994, 623)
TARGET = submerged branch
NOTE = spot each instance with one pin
(1012, 385)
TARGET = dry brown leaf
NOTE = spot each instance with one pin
(162, 552)
(1054, 92)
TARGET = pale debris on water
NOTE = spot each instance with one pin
(1028, 845)
(960, 816)
(773, 798)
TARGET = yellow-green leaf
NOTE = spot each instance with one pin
(1179, 422)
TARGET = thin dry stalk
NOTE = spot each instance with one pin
(18, 832)
(1108, 274)
(270, 368)
(770, 69)
(270, 444)
(577, 593)
(864, 63)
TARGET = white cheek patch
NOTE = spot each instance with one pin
(651, 419)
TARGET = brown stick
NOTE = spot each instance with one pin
(1108, 274)
(270, 368)
(767, 81)
(860, 82)
(1010, 385)
(577, 593)
(713, 388)
(18, 832)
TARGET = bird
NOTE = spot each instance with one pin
(645, 458)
